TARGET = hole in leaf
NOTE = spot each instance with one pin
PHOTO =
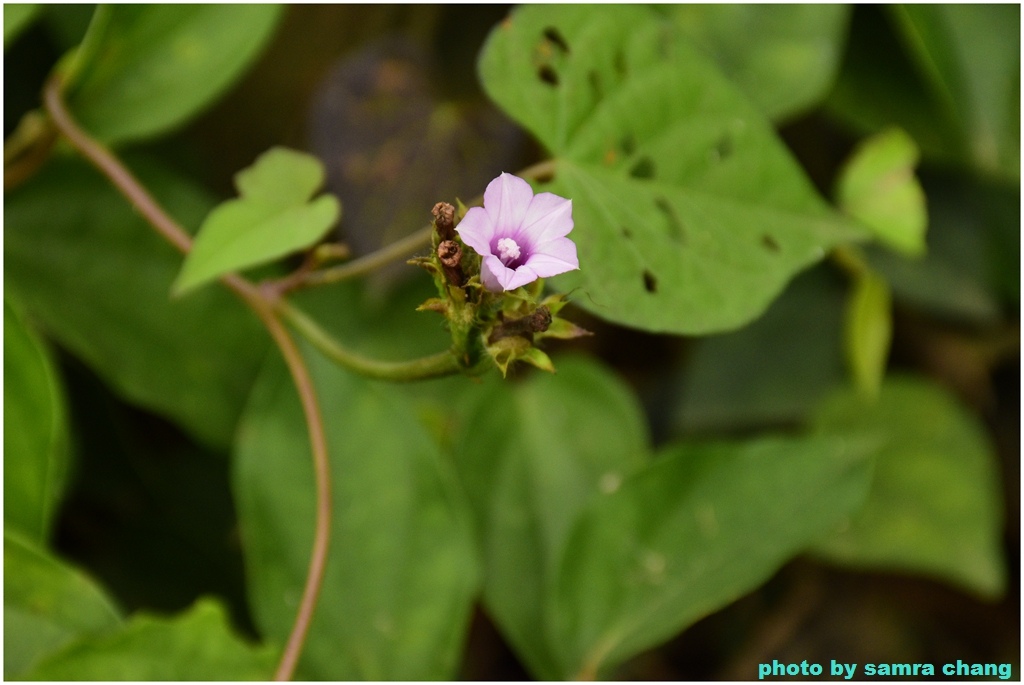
(628, 144)
(676, 230)
(770, 243)
(556, 39)
(626, 233)
(548, 75)
(723, 148)
(596, 90)
(644, 168)
(619, 64)
(650, 282)
(544, 177)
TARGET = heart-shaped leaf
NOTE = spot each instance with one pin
(877, 187)
(531, 458)
(274, 216)
(690, 214)
(935, 501)
(593, 551)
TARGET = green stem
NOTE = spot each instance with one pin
(368, 263)
(389, 253)
(434, 366)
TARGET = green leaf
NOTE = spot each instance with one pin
(773, 371)
(196, 645)
(699, 528)
(970, 54)
(877, 187)
(530, 458)
(784, 57)
(84, 264)
(935, 502)
(868, 331)
(17, 18)
(949, 75)
(47, 604)
(274, 216)
(972, 229)
(402, 572)
(690, 214)
(156, 66)
(35, 431)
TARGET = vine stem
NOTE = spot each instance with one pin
(389, 253)
(104, 160)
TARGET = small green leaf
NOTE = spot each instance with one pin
(935, 504)
(196, 645)
(530, 457)
(877, 187)
(690, 214)
(96, 276)
(35, 431)
(784, 57)
(274, 216)
(868, 331)
(47, 604)
(156, 66)
(17, 18)
(402, 574)
(700, 527)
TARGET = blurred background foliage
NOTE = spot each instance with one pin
(158, 506)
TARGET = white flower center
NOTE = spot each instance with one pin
(508, 250)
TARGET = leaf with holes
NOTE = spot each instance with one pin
(274, 216)
(691, 216)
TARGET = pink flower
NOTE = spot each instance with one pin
(521, 236)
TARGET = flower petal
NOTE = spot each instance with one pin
(548, 217)
(521, 276)
(547, 264)
(506, 200)
(476, 230)
(494, 274)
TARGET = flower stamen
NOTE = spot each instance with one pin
(508, 251)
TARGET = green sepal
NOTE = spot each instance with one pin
(538, 358)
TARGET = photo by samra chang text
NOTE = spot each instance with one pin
(957, 669)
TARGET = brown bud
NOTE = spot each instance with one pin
(450, 255)
(524, 327)
(444, 220)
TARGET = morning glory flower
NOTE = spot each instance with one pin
(521, 236)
